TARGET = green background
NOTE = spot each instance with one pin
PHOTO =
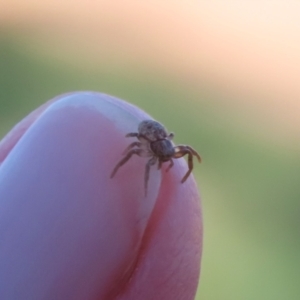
(249, 183)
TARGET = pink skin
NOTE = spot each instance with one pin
(69, 231)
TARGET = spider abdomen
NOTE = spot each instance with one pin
(152, 130)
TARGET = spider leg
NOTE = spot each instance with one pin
(181, 151)
(150, 163)
(170, 136)
(195, 153)
(190, 164)
(132, 134)
(170, 165)
(180, 148)
(125, 159)
(138, 144)
(137, 135)
(159, 165)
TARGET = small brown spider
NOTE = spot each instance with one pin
(155, 142)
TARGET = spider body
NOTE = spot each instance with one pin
(155, 143)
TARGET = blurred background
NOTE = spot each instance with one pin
(223, 75)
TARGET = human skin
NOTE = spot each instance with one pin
(69, 231)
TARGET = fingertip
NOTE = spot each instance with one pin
(82, 219)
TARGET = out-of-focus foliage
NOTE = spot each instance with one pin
(249, 185)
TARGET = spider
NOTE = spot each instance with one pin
(155, 142)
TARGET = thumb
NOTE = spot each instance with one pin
(68, 231)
